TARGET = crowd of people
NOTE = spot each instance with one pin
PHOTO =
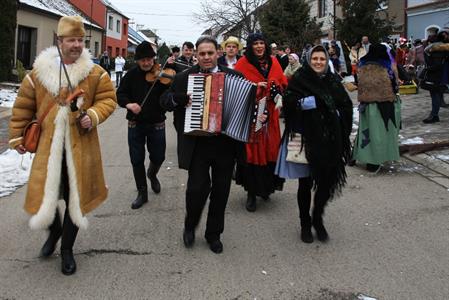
(314, 147)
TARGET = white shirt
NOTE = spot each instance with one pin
(119, 63)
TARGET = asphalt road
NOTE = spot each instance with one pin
(389, 240)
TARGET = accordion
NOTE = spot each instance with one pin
(222, 104)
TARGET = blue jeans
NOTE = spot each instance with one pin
(153, 135)
(437, 100)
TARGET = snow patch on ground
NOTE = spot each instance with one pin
(7, 97)
(415, 140)
(14, 171)
(442, 157)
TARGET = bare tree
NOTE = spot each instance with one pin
(227, 14)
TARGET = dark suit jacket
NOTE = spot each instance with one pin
(186, 143)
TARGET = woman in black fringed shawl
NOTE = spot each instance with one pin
(317, 106)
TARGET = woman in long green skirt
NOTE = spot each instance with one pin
(379, 110)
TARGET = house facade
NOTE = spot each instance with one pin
(426, 17)
(37, 21)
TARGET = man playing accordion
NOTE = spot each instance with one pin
(209, 159)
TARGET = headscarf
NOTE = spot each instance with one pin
(318, 48)
(291, 68)
(252, 58)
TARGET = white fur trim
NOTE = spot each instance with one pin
(47, 67)
(15, 140)
(74, 203)
(96, 116)
(46, 213)
(30, 80)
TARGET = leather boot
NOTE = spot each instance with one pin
(141, 184)
(251, 205)
(142, 198)
(55, 233)
(68, 264)
(153, 169)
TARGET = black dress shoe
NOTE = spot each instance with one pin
(188, 237)
(216, 246)
(50, 244)
(141, 199)
(68, 264)
(251, 205)
(431, 119)
(306, 235)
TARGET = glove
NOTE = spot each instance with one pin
(181, 99)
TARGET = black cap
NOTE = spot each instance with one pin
(144, 50)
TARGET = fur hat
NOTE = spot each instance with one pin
(232, 40)
(144, 50)
(71, 26)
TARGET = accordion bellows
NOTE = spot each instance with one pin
(221, 104)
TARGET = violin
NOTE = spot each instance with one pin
(164, 76)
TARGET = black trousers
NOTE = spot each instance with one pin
(68, 231)
(210, 173)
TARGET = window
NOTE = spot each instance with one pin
(117, 51)
(124, 52)
(111, 23)
(322, 9)
(87, 44)
(97, 47)
(118, 26)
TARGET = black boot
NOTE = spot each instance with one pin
(304, 199)
(55, 233)
(141, 199)
(152, 172)
(68, 264)
(251, 203)
(141, 184)
(321, 198)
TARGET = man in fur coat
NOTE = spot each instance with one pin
(67, 164)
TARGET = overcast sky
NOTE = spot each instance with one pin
(172, 20)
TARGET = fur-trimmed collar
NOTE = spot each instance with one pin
(47, 67)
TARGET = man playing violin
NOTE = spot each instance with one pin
(146, 120)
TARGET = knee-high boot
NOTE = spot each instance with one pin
(304, 200)
(55, 233)
(69, 233)
(141, 184)
(153, 169)
(320, 201)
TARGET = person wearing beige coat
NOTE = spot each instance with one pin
(67, 164)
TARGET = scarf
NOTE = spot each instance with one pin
(326, 129)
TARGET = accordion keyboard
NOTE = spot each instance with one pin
(194, 112)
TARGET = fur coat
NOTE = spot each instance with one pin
(59, 132)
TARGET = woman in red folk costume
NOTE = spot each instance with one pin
(257, 175)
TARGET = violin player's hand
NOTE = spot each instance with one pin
(134, 107)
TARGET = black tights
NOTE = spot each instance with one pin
(304, 197)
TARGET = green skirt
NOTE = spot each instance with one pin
(375, 144)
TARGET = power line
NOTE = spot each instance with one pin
(159, 15)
